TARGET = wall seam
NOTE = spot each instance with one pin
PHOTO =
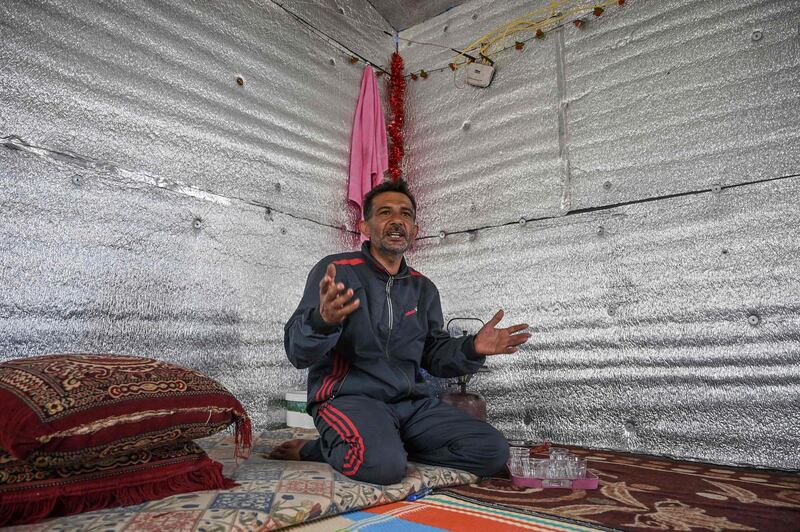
(119, 174)
(16, 143)
(563, 124)
(330, 40)
(612, 206)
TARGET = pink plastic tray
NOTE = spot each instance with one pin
(588, 483)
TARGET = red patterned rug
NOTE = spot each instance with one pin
(643, 492)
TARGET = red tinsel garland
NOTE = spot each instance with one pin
(397, 94)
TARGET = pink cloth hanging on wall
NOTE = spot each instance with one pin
(369, 157)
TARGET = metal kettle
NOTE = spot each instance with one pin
(471, 403)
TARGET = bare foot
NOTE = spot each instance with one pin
(288, 450)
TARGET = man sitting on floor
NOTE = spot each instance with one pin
(366, 324)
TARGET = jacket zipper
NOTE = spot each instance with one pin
(389, 284)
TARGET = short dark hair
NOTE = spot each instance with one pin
(388, 186)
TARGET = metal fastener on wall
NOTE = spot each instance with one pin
(757, 35)
(716, 188)
(522, 220)
(197, 223)
(442, 234)
(77, 180)
(601, 230)
(753, 319)
(607, 185)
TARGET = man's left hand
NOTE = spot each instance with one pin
(493, 341)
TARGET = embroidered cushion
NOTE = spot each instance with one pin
(29, 494)
(77, 408)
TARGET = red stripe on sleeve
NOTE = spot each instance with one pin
(348, 262)
(338, 371)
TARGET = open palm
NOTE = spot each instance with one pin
(493, 341)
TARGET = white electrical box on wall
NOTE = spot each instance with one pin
(479, 74)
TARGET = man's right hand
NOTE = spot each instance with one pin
(335, 303)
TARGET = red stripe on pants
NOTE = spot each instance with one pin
(349, 434)
(353, 430)
(349, 465)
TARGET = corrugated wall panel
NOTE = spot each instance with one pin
(354, 23)
(151, 87)
(478, 158)
(668, 327)
(101, 263)
(655, 98)
(678, 95)
(481, 157)
(639, 308)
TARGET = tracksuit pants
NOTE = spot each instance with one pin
(370, 441)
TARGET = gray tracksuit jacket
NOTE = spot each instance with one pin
(379, 349)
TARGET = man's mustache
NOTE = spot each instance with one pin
(400, 230)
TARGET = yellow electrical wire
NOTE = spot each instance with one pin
(543, 18)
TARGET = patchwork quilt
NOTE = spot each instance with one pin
(271, 494)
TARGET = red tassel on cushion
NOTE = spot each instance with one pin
(243, 436)
(26, 507)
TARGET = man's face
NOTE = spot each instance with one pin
(391, 227)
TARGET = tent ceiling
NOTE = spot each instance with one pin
(403, 14)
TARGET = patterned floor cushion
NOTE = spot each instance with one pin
(76, 408)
